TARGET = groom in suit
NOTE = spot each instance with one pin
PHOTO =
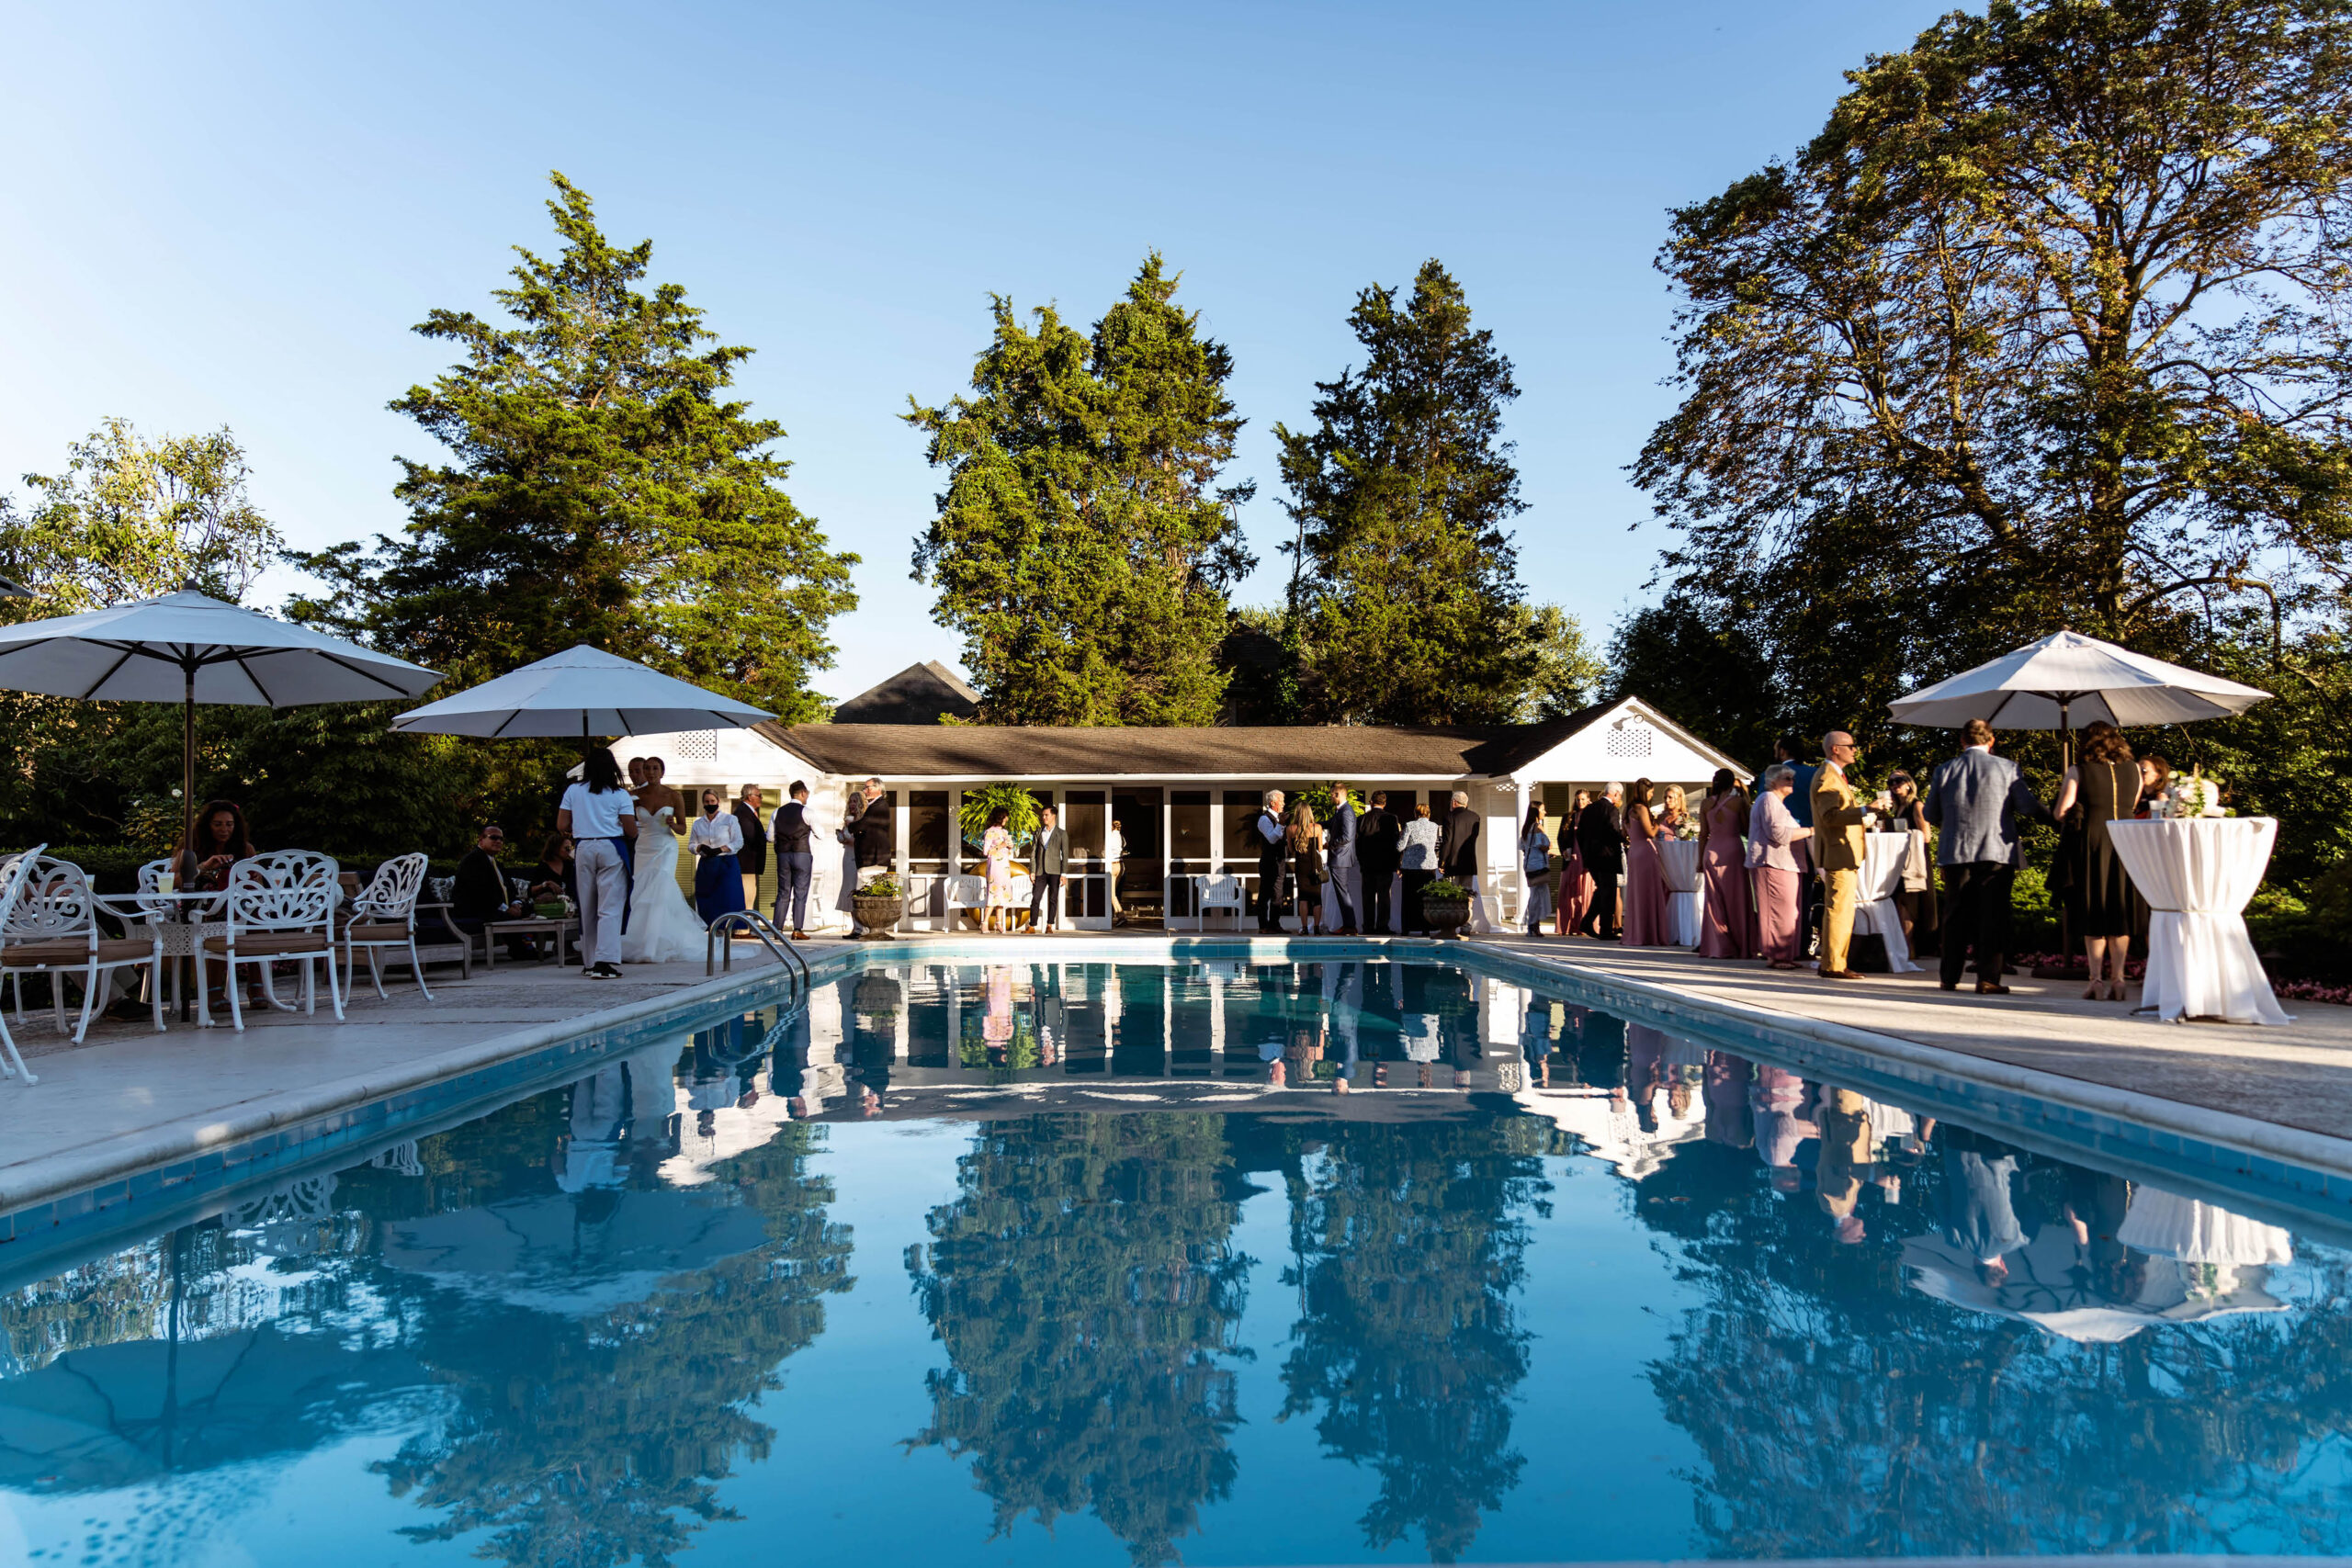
(1601, 840)
(1974, 800)
(1839, 818)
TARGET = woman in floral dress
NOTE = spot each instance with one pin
(996, 844)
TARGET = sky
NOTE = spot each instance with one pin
(234, 214)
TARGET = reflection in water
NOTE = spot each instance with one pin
(1885, 1335)
(1409, 1346)
(1088, 1299)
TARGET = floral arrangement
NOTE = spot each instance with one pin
(1688, 828)
(1442, 888)
(2191, 794)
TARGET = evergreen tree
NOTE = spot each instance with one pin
(603, 492)
(1406, 579)
(1083, 546)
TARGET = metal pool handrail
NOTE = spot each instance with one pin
(760, 926)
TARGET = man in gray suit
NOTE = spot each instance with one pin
(1975, 800)
(1339, 847)
(1048, 860)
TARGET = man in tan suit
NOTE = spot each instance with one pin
(1837, 820)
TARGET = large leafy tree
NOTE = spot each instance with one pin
(1084, 545)
(601, 488)
(2047, 326)
(129, 517)
(1405, 588)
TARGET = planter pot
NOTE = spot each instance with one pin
(1445, 914)
(877, 915)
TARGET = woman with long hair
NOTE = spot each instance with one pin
(1535, 861)
(1573, 895)
(1645, 923)
(2104, 781)
(221, 841)
(601, 818)
(995, 847)
(1727, 927)
(1304, 842)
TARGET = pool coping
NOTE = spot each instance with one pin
(106, 1170)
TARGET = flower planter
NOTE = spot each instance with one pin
(878, 916)
(1446, 916)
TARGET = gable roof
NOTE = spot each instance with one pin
(915, 696)
(1292, 751)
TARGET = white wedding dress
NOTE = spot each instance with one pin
(662, 928)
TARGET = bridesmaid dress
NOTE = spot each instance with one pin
(1727, 916)
(1573, 895)
(1645, 923)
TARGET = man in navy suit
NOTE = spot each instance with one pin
(1975, 800)
(1340, 855)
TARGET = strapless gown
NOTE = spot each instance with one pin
(661, 925)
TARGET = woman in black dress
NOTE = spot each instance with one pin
(1916, 904)
(1305, 835)
(2106, 783)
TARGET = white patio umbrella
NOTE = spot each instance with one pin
(188, 649)
(11, 589)
(2066, 679)
(582, 691)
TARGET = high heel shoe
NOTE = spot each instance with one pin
(2091, 992)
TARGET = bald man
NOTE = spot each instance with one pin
(1837, 820)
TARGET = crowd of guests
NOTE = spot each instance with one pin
(1783, 868)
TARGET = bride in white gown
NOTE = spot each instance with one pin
(661, 925)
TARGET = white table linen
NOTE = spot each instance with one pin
(1686, 888)
(2196, 875)
(1875, 910)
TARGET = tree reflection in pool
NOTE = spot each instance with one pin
(1542, 1283)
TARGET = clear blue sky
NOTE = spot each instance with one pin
(234, 214)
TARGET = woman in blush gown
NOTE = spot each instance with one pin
(1726, 917)
(1645, 923)
(661, 925)
(1574, 895)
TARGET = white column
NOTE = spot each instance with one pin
(1518, 917)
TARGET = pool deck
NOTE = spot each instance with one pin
(130, 1097)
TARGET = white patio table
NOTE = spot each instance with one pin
(2196, 874)
(1875, 909)
(180, 926)
(1686, 889)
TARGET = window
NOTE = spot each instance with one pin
(1242, 808)
(927, 831)
(1188, 822)
(1085, 815)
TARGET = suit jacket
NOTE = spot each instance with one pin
(876, 834)
(754, 856)
(1339, 837)
(1378, 840)
(1600, 838)
(1974, 800)
(1801, 798)
(1051, 855)
(1457, 857)
(1837, 822)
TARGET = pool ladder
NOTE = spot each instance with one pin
(717, 943)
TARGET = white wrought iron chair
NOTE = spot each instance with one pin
(965, 893)
(281, 907)
(384, 915)
(1226, 893)
(53, 929)
(13, 870)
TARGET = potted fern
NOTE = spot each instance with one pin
(878, 903)
(1445, 906)
(1021, 814)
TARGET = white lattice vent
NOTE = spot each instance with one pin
(702, 745)
(1630, 740)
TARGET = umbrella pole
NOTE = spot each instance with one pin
(188, 766)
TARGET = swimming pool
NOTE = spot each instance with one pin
(1286, 1263)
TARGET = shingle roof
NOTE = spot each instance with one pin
(915, 696)
(1296, 752)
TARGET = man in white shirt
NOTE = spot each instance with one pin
(1269, 830)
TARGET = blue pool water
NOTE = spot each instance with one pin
(963, 1264)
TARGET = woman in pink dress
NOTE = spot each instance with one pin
(1726, 917)
(1573, 895)
(1646, 920)
(1775, 844)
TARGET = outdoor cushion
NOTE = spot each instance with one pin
(253, 943)
(380, 930)
(75, 950)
